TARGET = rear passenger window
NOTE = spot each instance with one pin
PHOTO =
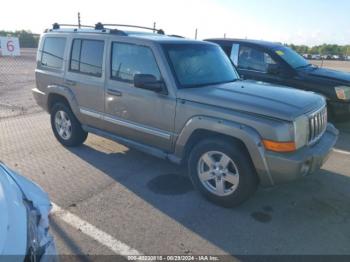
(130, 59)
(53, 52)
(87, 57)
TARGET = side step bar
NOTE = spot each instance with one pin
(130, 143)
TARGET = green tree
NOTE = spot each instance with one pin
(26, 38)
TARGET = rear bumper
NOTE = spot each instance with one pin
(288, 167)
(40, 98)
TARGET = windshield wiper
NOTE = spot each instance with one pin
(210, 84)
(304, 66)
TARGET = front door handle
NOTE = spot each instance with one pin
(70, 82)
(114, 92)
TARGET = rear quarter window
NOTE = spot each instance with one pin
(52, 54)
(87, 57)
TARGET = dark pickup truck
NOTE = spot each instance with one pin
(278, 64)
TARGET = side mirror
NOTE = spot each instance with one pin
(149, 82)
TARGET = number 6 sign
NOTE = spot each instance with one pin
(9, 46)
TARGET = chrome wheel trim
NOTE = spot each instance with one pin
(218, 173)
(63, 125)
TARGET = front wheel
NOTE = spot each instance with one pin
(223, 172)
(66, 127)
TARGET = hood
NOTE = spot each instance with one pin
(256, 98)
(13, 220)
(331, 74)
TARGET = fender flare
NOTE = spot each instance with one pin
(246, 134)
(68, 94)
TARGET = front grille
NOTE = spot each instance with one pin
(317, 125)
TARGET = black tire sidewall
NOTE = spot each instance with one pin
(78, 134)
(247, 175)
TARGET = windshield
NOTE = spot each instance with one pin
(291, 57)
(200, 64)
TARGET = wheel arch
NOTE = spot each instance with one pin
(64, 95)
(202, 127)
(199, 135)
(54, 98)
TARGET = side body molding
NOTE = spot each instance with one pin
(249, 136)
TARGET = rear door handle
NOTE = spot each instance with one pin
(70, 82)
(114, 92)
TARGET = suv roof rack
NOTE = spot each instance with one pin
(158, 31)
(56, 26)
(104, 28)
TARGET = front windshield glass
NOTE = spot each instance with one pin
(200, 64)
(291, 57)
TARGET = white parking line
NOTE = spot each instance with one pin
(341, 151)
(93, 232)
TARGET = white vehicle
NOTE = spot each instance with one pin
(24, 222)
(316, 57)
(335, 57)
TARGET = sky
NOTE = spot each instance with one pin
(309, 22)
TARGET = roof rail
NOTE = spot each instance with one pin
(105, 28)
(58, 26)
(102, 26)
(178, 36)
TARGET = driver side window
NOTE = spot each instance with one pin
(254, 59)
(130, 59)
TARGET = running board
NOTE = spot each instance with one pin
(130, 143)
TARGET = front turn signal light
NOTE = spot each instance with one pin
(283, 147)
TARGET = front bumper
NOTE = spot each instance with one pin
(291, 166)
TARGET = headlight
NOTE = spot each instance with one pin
(343, 92)
(33, 245)
(301, 131)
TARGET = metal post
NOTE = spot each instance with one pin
(154, 27)
(196, 34)
(79, 24)
(225, 35)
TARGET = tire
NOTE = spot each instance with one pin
(69, 131)
(235, 182)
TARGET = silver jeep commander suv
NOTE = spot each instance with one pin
(180, 100)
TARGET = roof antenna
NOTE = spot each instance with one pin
(79, 24)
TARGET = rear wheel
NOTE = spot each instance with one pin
(222, 172)
(66, 127)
